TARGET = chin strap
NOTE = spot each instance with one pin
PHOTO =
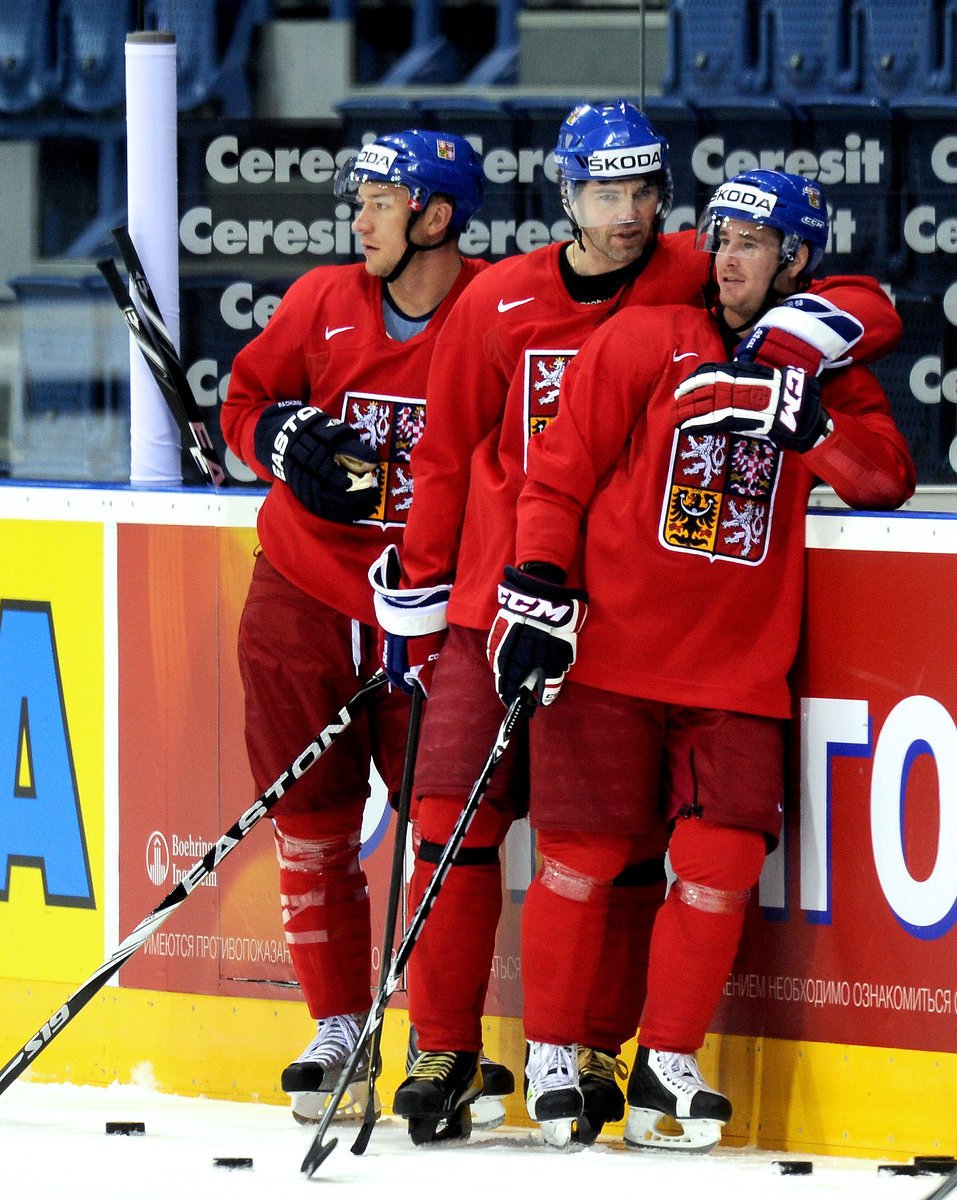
(413, 248)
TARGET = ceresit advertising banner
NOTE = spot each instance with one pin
(853, 938)
(52, 817)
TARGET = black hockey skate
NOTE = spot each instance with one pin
(435, 1097)
(488, 1111)
(602, 1098)
(314, 1076)
(666, 1084)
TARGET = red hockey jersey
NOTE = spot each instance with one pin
(326, 345)
(694, 541)
(494, 382)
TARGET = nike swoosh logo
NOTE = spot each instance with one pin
(331, 333)
(504, 306)
(676, 357)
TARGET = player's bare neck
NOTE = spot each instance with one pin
(425, 282)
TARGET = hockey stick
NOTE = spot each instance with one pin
(945, 1189)
(155, 343)
(392, 910)
(522, 706)
(192, 879)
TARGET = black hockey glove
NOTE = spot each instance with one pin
(537, 626)
(331, 472)
(784, 406)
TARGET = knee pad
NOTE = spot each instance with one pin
(716, 865)
(583, 866)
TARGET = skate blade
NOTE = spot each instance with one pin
(445, 1130)
(557, 1133)
(488, 1112)
(692, 1136)
(308, 1108)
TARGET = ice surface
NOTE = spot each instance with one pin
(53, 1146)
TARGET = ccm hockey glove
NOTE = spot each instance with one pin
(804, 331)
(537, 626)
(412, 621)
(331, 472)
(784, 406)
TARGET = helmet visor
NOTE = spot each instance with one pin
(373, 164)
(599, 203)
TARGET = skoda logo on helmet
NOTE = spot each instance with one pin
(747, 199)
(638, 160)
(375, 158)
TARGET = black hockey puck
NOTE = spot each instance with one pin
(125, 1127)
(233, 1164)
(935, 1164)
(897, 1169)
(793, 1166)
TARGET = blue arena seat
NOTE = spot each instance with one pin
(907, 47)
(28, 73)
(214, 46)
(812, 48)
(715, 51)
(92, 38)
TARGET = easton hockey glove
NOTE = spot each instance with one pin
(784, 406)
(537, 626)
(412, 621)
(805, 331)
(331, 472)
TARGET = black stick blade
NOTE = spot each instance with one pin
(316, 1156)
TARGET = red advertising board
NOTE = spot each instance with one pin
(853, 938)
(184, 780)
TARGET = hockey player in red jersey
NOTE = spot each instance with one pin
(672, 509)
(326, 404)
(494, 382)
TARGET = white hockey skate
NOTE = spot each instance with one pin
(314, 1076)
(552, 1094)
(665, 1084)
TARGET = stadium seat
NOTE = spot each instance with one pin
(214, 47)
(907, 47)
(812, 50)
(28, 74)
(715, 51)
(431, 57)
(92, 39)
(500, 65)
(365, 116)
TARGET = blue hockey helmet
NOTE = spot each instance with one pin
(424, 162)
(610, 141)
(791, 204)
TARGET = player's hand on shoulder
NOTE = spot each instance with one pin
(329, 469)
(803, 331)
(750, 398)
(537, 626)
